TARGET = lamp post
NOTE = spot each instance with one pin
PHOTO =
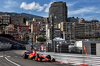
(51, 16)
(32, 41)
(52, 32)
(32, 35)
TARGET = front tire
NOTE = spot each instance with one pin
(36, 59)
(25, 56)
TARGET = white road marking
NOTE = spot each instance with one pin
(8, 56)
(12, 62)
(1, 56)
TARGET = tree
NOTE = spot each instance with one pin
(3, 31)
(41, 39)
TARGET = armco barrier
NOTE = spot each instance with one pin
(5, 46)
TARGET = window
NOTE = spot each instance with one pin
(93, 48)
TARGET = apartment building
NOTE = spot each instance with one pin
(42, 22)
(67, 30)
(12, 31)
(79, 30)
(17, 19)
(5, 19)
(28, 23)
(23, 28)
(97, 32)
(84, 30)
(35, 30)
(38, 20)
(73, 30)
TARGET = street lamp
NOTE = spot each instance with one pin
(32, 41)
(32, 36)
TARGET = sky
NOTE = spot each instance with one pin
(87, 9)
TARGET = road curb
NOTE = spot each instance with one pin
(69, 63)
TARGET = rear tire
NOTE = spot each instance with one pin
(53, 60)
(49, 57)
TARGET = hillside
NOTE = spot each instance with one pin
(27, 16)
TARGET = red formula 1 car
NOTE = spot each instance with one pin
(29, 55)
(37, 57)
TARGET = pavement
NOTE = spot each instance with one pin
(14, 58)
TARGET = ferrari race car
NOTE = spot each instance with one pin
(37, 57)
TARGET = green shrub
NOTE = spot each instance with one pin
(41, 39)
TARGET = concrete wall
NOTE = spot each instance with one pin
(97, 48)
(88, 47)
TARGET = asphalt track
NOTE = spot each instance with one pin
(9, 58)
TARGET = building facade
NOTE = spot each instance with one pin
(67, 30)
(79, 30)
(23, 30)
(58, 10)
(73, 30)
(97, 32)
(5, 19)
(12, 31)
(38, 20)
(28, 23)
(17, 19)
(35, 30)
(84, 30)
(42, 22)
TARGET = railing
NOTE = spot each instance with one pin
(5, 46)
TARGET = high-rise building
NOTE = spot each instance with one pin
(59, 11)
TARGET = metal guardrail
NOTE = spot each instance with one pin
(77, 59)
(5, 46)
